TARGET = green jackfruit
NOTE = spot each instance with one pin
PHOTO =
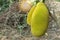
(29, 15)
(39, 19)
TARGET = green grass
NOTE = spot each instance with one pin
(5, 4)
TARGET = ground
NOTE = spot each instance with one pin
(13, 24)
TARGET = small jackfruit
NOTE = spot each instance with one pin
(38, 18)
(29, 15)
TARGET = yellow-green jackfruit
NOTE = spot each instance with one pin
(38, 18)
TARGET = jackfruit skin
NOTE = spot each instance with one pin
(39, 19)
(30, 15)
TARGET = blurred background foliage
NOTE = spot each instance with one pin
(5, 4)
(21, 23)
(58, 0)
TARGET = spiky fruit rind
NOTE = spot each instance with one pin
(39, 20)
